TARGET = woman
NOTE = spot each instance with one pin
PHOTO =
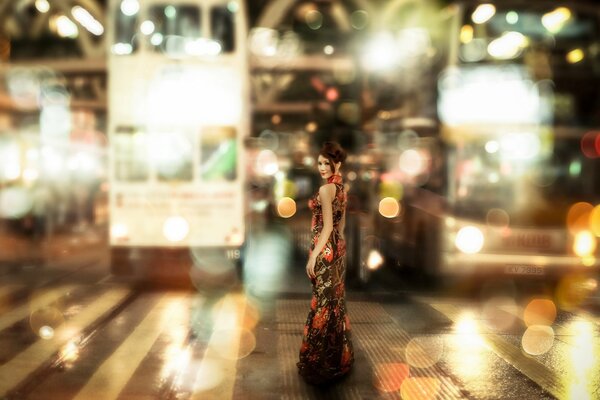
(326, 351)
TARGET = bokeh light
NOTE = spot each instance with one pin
(233, 344)
(266, 163)
(578, 217)
(539, 312)
(537, 339)
(412, 162)
(595, 220)
(359, 19)
(15, 202)
(176, 228)
(500, 313)
(44, 318)
(389, 207)
(497, 218)
(469, 239)
(424, 351)
(209, 374)
(483, 13)
(388, 377)
(286, 207)
(590, 144)
(584, 244)
(420, 388)
(374, 259)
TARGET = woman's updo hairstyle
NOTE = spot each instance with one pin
(333, 152)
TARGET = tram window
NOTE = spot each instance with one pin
(222, 28)
(218, 154)
(174, 26)
(126, 39)
(130, 155)
(172, 156)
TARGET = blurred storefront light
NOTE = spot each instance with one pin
(466, 33)
(508, 46)
(122, 48)
(87, 20)
(475, 96)
(130, 7)
(380, 53)
(574, 56)
(512, 17)
(584, 244)
(483, 13)
(65, 27)
(147, 27)
(42, 6)
(555, 20)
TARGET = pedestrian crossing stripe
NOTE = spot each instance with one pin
(15, 371)
(114, 373)
(528, 366)
(37, 303)
(227, 323)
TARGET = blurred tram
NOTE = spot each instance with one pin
(178, 116)
(509, 185)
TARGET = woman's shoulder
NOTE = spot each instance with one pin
(328, 189)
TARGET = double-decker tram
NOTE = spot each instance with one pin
(178, 116)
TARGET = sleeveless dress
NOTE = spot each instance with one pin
(326, 352)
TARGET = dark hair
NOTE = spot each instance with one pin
(333, 152)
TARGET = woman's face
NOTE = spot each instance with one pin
(324, 167)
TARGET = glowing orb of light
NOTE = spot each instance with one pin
(537, 339)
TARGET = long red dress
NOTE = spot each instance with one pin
(326, 352)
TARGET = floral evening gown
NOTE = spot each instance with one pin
(326, 352)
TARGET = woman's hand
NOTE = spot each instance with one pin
(310, 267)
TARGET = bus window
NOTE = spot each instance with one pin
(174, 27)
(130, 155)
(172, 156)
(222, 29)
(218, 153)
(126, 39)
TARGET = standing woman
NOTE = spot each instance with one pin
(326, 351)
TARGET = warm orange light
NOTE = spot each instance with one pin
(389, 376)
(389, 207)
(286, 207)
(578, 217)
(539, 312)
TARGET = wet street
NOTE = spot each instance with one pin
(69, 329)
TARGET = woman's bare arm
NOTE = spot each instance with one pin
(326, 195)
(326, 198)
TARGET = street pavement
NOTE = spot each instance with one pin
(69, 330)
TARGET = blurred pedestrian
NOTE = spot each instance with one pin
(326, 352)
